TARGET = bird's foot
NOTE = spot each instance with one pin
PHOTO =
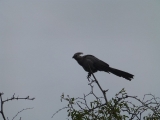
(88, 76)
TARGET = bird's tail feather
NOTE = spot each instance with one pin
(121, 73)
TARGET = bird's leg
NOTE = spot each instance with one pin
(88, 76)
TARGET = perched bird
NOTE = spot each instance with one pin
(90, 62)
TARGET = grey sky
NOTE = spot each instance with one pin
(38, 39)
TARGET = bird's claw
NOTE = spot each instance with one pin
(88, 76)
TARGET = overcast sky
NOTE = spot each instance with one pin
(38, 39)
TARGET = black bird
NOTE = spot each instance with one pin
(91, 62)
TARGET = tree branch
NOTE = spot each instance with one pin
(10, 99)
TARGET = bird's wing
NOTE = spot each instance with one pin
(97, 63)
(86, 63)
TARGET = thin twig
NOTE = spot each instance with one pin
(20, 112)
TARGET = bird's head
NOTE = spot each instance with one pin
(77, 55)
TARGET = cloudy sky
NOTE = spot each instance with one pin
(38, 39)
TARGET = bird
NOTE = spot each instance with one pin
(91, 64)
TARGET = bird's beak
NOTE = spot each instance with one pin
(73, 56)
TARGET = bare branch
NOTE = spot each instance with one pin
(20, 112)
(58, 111)
(10, 99)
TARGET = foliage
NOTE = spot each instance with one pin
(120, 107)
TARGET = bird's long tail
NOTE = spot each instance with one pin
(121, 73)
